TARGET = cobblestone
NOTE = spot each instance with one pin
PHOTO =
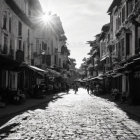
(75, 117)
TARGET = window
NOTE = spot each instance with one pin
(20, 44)
(59, 61)
(119, 50)
(127, 44)
(119, 20)
(123, 14)
(48, 50)
(44, 46)
(117, 25)
(48, 60)
(5, 47)
(19, 28)
(10, 24)
(43, 59)
(11, 50)
(55, 59)
(4, 79)
(129, 7)
(52, 46)
(37, 44)
(24, 47)
(122, 46)
(111, 23)
(4, 20)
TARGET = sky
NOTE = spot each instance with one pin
(81, 20)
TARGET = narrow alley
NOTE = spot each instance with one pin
(73, 116)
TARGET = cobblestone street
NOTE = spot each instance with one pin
(74, 117)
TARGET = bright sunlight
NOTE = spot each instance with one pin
(46, 18)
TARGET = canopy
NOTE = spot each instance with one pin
(37, 69)
(53, 72)
(97, 78)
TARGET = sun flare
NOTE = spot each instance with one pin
(46, 18)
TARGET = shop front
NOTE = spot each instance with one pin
(133, 76)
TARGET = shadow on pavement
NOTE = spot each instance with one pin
(7, 130)
(42, 105)
(131, 111)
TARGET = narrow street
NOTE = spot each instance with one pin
(73, 116)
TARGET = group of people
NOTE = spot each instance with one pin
(93, 88)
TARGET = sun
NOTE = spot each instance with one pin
(46, 18)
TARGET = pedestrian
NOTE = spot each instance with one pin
(67, 88)
(87, 87)
(91, 88)
(75, 88)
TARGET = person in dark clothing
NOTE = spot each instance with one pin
(87, 87)
(75, 88)
(67, 88)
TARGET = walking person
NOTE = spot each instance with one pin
(67, 88)
(75, 88)
(91, 88)
(87, 87)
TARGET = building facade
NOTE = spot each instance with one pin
(14, 29)
(28, 44)
(119, 49)
(124, 40)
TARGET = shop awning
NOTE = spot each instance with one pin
(107, 56)
(35, 69)
(116, 75)
(53, 72)
(96, 78)
(120, 70)
(78, 80)
(85, 79)
(129, 66)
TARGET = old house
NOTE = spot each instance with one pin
(124, 41)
